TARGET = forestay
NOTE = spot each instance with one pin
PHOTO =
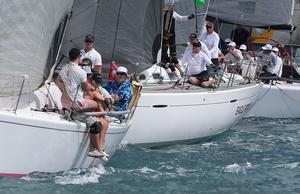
(26, 33)
(125, 30)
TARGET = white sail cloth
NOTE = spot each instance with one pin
(26, 33)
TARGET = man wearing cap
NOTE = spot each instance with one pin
(197, 62)
(279, 62)
(243, 49)
(268, 60)
(72, 81)
(91, 53)
(120, 89)
(189, 48)
(211, 39)
(234, 55)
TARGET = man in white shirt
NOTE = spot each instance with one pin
(72, 81)
(189, 48)
(268, 59)
(234, 55)
(91, 53)
(197, 62)
(211, 39)
(279, 62)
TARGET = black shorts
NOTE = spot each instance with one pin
(202, 77)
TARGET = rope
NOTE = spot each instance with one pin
(287, 94)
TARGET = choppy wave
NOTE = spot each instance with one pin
(258, 155)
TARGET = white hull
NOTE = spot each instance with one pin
(43, 141)
(281, 100)
(163, 118)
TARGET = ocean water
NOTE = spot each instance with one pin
(258, 155)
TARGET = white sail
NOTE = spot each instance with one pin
(26, 33)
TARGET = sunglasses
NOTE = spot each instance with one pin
(208, 26)
(121, 73)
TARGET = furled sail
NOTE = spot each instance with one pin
(256, 13)
(124, 30)
(26, 33)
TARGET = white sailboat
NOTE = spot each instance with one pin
(164, 115)
(280, 99)
(32, 136)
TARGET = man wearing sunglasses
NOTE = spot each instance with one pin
(90, 52)
(211, 39)
(120, 89)
(197, 62)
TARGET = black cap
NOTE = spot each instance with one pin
(89, 38)
(193, 35)
(97, 77)
(197, 44)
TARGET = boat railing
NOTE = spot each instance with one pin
(128, 114)
(20, 92)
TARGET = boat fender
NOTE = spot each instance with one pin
(95, 128)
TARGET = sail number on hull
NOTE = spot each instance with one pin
(242, 109)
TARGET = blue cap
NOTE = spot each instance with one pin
(87, 69)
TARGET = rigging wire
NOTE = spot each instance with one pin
(116, 31)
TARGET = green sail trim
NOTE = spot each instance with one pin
(199, 2)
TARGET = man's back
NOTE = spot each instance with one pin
(72, 75)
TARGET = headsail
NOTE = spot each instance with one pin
(26, 33)
(124, 30)
(255, 13)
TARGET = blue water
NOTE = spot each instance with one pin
(257, 156)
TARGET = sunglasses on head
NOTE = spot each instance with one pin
(89, 41)
(121, 73)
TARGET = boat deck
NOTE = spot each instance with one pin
(168, 87)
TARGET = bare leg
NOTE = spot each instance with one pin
(94, 141)
(208, 83)
(179, 68)
(194, 81)
(102, 133)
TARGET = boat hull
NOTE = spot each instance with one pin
(281, 100)
(38, 141)
(165, 118)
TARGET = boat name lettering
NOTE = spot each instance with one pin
(242, 109)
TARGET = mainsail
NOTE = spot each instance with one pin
(26, 33)
(125, 30)
(255, 13)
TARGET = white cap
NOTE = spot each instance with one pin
(122, 69)
(232, 44)
(227, 40)
(267, 47)
(243, 47)
(275, 49)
